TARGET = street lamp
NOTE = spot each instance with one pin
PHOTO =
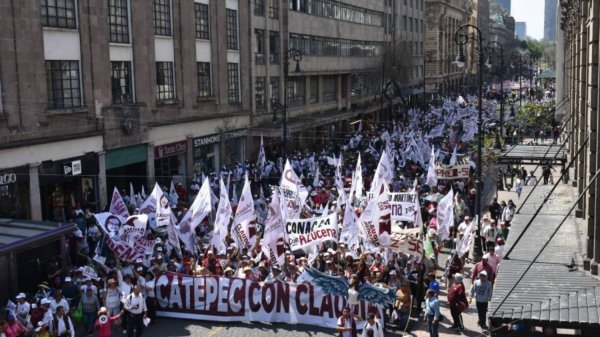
(491, 46)
(295, 55)
(461, 38)
(520, 59)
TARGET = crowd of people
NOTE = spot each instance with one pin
(105, 294)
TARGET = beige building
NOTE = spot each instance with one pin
(103, 93)
(442, 19)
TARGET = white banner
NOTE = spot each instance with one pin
(223, 299)
(134, 227)
(407, 241)
(455, 172)
(307, 232)
(445, 215)
(243, 229)
(404, 206)
(273, 243)
(117, 205)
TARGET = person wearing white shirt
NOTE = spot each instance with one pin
(57, 301)
(374, 326)
(149, 285)
(135, 305)
(23, 308)
(62, 324)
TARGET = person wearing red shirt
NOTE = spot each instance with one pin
(103, 322)
(457, 300)
(210, 262)
(481, 266)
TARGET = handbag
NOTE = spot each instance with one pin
(78, 314)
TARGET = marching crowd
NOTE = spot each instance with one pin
(107, 294)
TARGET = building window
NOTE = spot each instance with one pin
(204, 79)
(259, 7)
(274, 47)
(121, 82)
(295, 91)
(118, 21)
(165, 81)
(314, 89)
(260, 94)
(202, 27)
(404, 23)
(274, 9)
(274, 86)
(329, 88)
(232, 30)
(259, 45)
(233, 83)
(58, 13)
(162, 17)
(64, 86)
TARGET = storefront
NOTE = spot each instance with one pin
(124, 166)
(68, 184)
(211, 151)
(170, 162)
(14, 193)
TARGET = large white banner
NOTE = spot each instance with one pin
(223, 299)
(404, 206)
(454, 172)
(307, 232)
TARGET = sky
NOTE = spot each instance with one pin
(532, 12)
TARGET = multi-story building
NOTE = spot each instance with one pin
(550, 20)
(442, 19)
(506, 4)
(343, 46)
(104, 93)
(521, 30)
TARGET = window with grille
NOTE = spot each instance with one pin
(314, 89)
(259, 7)
(274, 86)
(63, 82)
(58, 13)
(295, 91)
(274, 49)
(165, 81)
(121, 82)
(118, 21)
(204, 79)
(232, 30)
(162, 17)
(329, 88)
(259, 45)
(233, 83)
(274, 9)
(202, 23)
(260, 94)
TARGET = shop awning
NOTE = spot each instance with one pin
(16, 235)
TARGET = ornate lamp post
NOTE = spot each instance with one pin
(461, 38)
(295, 55)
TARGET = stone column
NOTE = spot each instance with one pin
(35, 200)
(102, 179)
(150, 167)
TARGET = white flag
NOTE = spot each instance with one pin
(173, 197)
(117, 205)
(293, 191)
(222, 220)
(200, 208)
(162, 207)
(144, 195)
(464, 245)
(453, 157)
(132, 198)
(445, 215)
(273, 239)
(316, 179)
(358, 191)
(244, 222)
(383, 173)
(349, 224)
(431, 175)
(262, 158)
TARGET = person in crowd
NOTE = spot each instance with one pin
(12, 327)
(346, 325)
(23, 308)
(519, 186)
(372, 328)
(135, 305)
(41, 330)
(89, 307)
(482, 292)
(59, 300)
(480, 267)
(62, 326)
(432, 312)
(402, 306)
(104, 322)
(457, 301)
(531, 179)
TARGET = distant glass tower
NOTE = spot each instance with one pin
(505, 4)
(550, 20)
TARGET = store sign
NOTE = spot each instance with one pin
(8, 178)
(216, 138)
(72, 168)
(170, 149)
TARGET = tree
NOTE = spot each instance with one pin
(534, 47)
